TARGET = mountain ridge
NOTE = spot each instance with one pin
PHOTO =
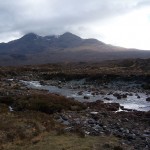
(32, 48)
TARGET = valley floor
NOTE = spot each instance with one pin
(32, 117)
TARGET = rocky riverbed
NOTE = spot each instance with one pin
(130, 127)
(113, 109)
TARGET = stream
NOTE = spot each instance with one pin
(133, 100)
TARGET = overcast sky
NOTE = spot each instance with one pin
(119, 22)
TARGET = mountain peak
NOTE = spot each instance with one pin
(30, 36)
(70, 35)
(67, 33)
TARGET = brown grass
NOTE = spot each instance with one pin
(47, 103)
(68, 142)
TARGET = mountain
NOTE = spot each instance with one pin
(35, 49)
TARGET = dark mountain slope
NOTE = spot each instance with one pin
(35, 49)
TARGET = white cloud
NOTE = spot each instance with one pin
(131, 30)
(119, 22)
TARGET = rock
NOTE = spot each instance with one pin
(80, 93)
(127, 131)
(42, 82)
(131, 137)
(104, 127)
(96, 93)
(60, 120)
(10, 109)
(91, 121)
(118, 134)
(94, 113)
(93, 93)
(147, 132)
(110, 93)
(78, 87)
(87, 133)
(108, 132)
(148, 99)
(97, 128)
(78, 122)
(59, 82)
(121, 129)
(121, 107)
(105, 86)
(68, 129)
(66, 123)
(138, 97)
(59, 86)
(113, 107)
(106, 98)
(102, 93)
(130, 94)
(145, 135)
(86, 97)
(56, 117)
(65, 118)
(117, 95)
(94, 133)
(124, 96)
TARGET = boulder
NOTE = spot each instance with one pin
(148, 99)
(86, 97)
(106, 98)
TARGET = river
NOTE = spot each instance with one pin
(134, 100)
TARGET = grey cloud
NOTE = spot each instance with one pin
(143, 3)
(55, 16)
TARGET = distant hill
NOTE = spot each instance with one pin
(35, 49)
